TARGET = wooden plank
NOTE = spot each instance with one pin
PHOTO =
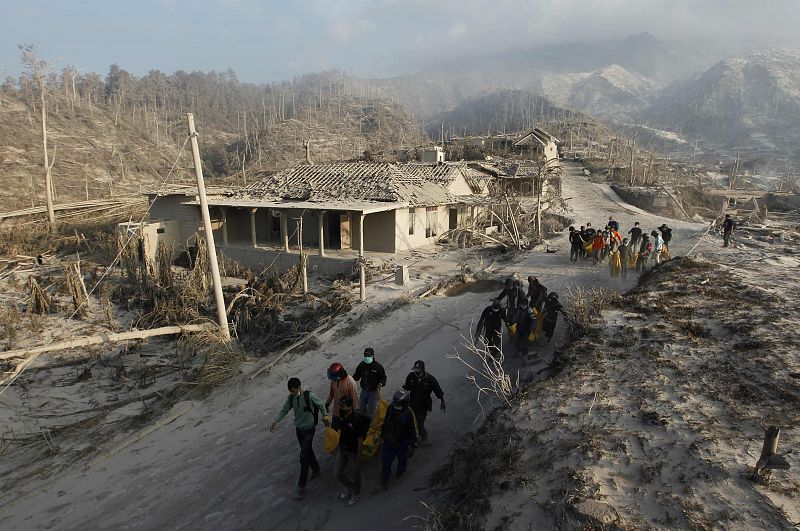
(105, 338)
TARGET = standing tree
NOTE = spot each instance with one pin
(39, 72)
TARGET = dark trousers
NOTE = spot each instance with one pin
(421, 412)
(549, 326)
(344, 461)
(574, 253)
(388, 453)
(726, 236)
(492, 340)
(307, 458)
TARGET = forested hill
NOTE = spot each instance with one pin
(119, 133)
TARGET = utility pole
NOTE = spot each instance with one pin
(633, 150)
(212, 250)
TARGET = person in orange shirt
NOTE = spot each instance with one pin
(597, 247)
(342, 384)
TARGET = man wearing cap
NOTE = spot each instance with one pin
(420, 385)
(490, 326)
(372, 375)
(353, 427)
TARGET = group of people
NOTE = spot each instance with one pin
(351, 414)
(623, 253)
(527, 315)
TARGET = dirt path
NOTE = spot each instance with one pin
(217, 466)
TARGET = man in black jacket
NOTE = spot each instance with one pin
(666, 235)
(728, 226)
(400, 436)
(552, 307)
(490, 325)
(636, 236)
(372, 375)
(353, 428)
(420, 385)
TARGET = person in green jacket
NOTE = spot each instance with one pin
(306, 406)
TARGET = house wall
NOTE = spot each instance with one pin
(238, 220)
(379, 231)
(187, 216)
(407, 242)
(459, 186)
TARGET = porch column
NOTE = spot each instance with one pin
(285, 231)
(360, 234)
(321, 233)
(224, 226)
(253, 238)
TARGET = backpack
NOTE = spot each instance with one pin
(311, 407)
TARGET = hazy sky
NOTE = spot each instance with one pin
(267, 40)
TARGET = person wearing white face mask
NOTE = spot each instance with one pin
(372, 376)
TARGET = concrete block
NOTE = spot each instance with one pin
(401, 275)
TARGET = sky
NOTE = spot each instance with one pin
(268, 40)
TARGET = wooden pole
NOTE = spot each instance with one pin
(322, 233)
(212, 250)
(253, 236)
(362, 274)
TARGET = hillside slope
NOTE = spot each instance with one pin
(91, 156)
(748, 102)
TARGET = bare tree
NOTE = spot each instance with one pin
(39, 72)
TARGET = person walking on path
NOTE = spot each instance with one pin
(490, 326)
(341, 384)
(353, 427)
(597, 248)
(645, 248)
(658, 246)
(536, 293)
(666, 235)
(613, 224)
(728, 227)
(372, 375)
(624, 256)
(526, 324)
(420, 385)
(514, 295)
(576, 245)
(636, 236)
(551, 309)
(306, 407)
(400, 436)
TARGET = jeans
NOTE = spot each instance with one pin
(388, 453)
(368, 402)
(345, 460)
(307, 458)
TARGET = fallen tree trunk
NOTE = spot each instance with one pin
(106, 338)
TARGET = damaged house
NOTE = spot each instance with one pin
(337, 211)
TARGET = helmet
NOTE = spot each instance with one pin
(419, 364)
(531, 278)
(653, 233)
(336, 372)
(401, 395)
(495, 305)
(553, 295)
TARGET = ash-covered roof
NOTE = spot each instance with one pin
(349, 181)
